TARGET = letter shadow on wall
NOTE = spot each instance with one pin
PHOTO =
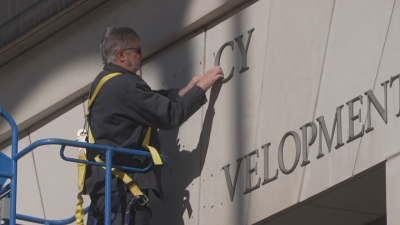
(184, 167)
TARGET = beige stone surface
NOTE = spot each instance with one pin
(366, 194)
(305, 59)
(231, 114)
(30, 84)
(354, 50)
(392, 187)
(174, 68)
(28, 193)
(383, 141)
(297, 36)
(323, 215)
(58, 178)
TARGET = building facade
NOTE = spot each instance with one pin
(303, 130)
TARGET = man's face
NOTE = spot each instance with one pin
(134, 55)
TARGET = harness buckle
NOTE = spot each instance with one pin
(81, 137)
(141, 159)
(82, 150)
(143, 201)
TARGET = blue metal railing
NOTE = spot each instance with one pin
(11, 171)
(48, 222)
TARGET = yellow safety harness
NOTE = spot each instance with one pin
(132, 186)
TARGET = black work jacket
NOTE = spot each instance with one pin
(123, 110)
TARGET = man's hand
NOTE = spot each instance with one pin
(191, 84)
(204, 81)
(210, 78)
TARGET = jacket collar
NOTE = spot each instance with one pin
(115, 68)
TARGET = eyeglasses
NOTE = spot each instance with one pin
(137, 50)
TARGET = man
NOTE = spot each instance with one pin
(124, 109)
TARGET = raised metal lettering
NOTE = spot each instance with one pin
(249, 171)
(304, 139)
(382, 112)
(243, 50)
(280, 152)
(231, 188)
(352, 118)
(391, 82)
(266, 166)
(322, 129)
(218, 59)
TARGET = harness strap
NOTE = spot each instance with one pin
(100, 84)
(91, 138)
(80, 211)
(93, 97)
(154, 153)
(133, 187)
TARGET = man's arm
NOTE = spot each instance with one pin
(171, 94)
(151, 109)
(212, 75)
(191, 84)
(174, 93)
(154, 110)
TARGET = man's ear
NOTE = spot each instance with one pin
(120, 55)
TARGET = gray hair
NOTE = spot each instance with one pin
(116, 38)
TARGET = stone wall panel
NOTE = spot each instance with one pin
(354, 50)
(231, 113)
(58, 178)
(297, 37)
(174, 68)
(383, 141)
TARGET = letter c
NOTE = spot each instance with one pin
(218, 59)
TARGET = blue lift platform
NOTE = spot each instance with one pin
(8, 170)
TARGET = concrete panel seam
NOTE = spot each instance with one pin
(319, 89)
(205, 49)
(259, 101)
(264, 69)
(376, 77)
(37, 176)
(84, 107)
(201, 125)
(46, 113)
(392, 156)
(384, 44)
(335, 208)
(280, 214)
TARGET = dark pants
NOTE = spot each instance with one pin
(120, 215)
